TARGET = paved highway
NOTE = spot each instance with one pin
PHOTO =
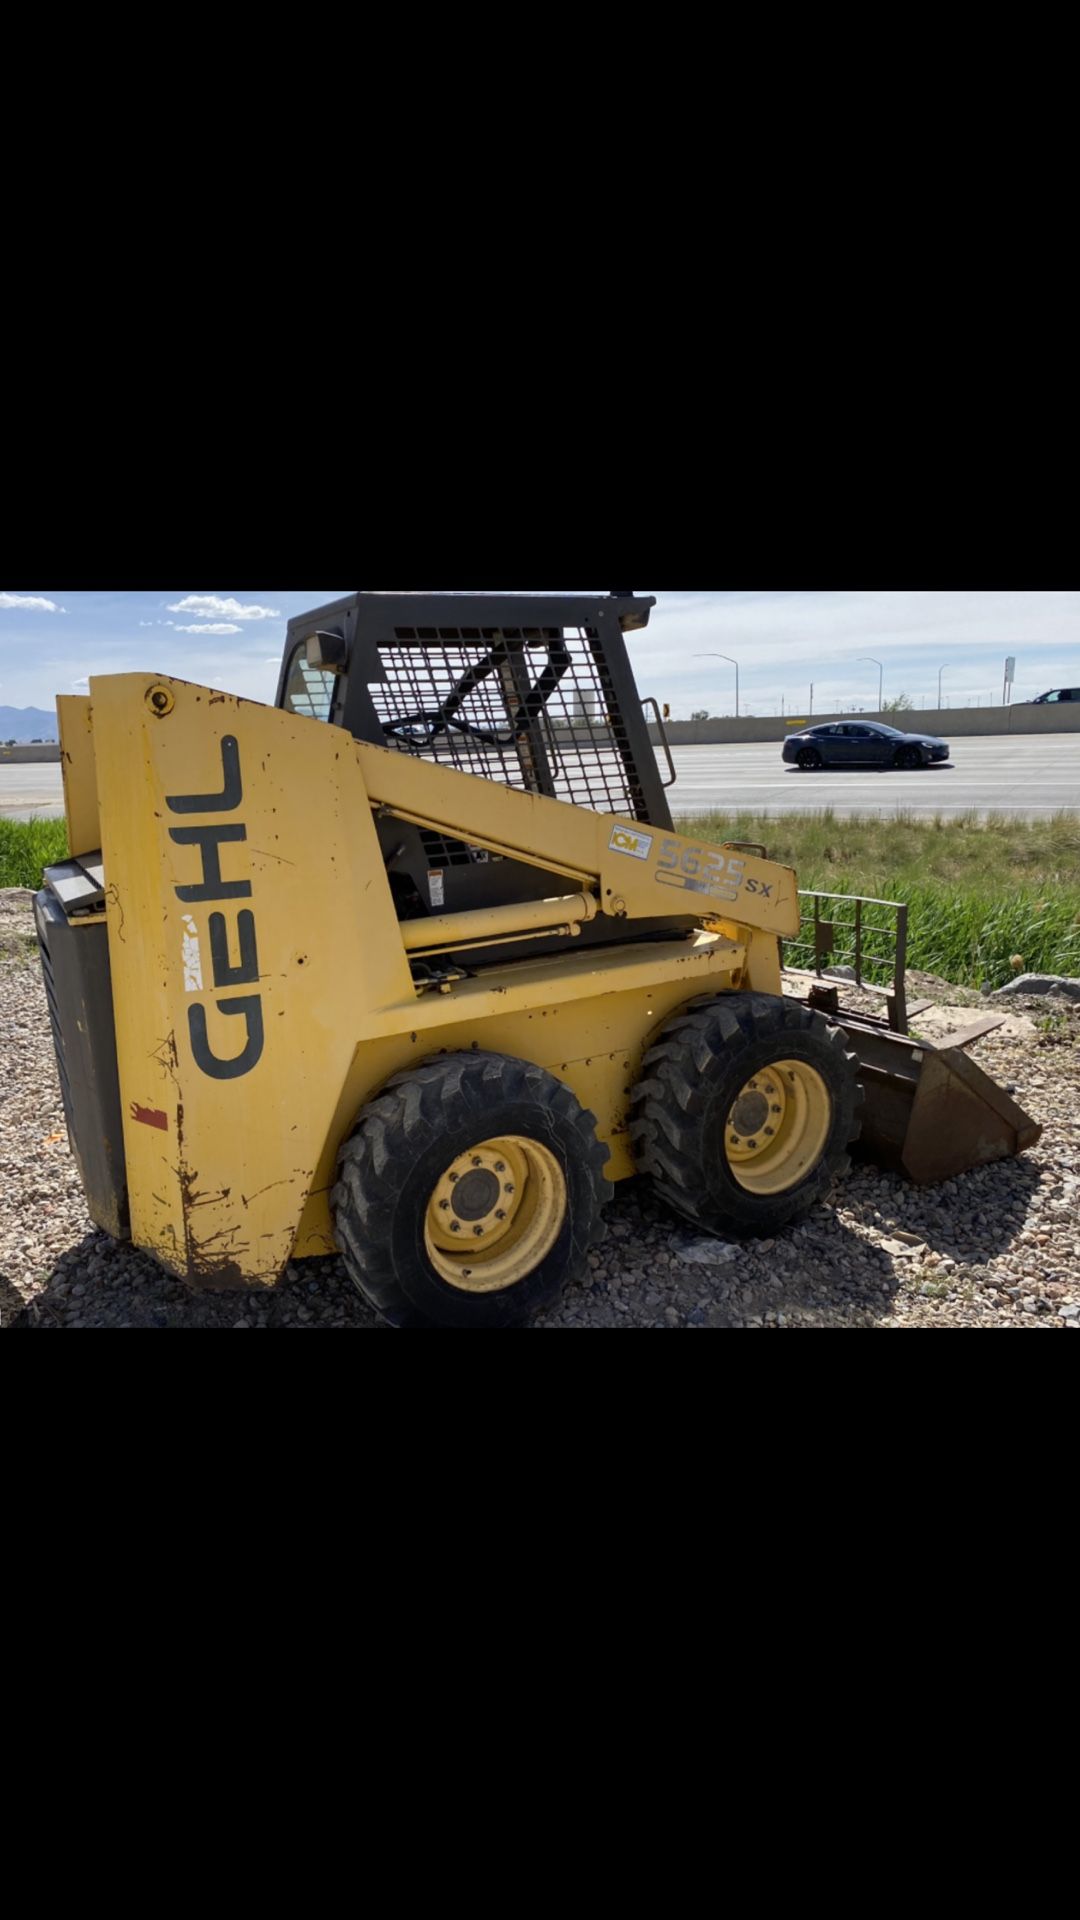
(1035, 775)
(27, 789)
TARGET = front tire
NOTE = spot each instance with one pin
(907, 759)
(745, 1112)
(469, 1193)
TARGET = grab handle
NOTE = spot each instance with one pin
(650, 702)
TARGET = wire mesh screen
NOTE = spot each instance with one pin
(530, 707)
(441, 851)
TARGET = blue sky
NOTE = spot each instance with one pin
(232, 638)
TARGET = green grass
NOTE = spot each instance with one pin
(26, 846)
(979, 893)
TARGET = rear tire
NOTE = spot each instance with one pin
(469, 1193)
(745, 1112)
(809, 759)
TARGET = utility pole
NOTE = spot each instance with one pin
(811, 699)
(939, 674)
(731, 663)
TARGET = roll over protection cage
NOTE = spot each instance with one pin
(447, 675)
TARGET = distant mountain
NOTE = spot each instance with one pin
(27, 723)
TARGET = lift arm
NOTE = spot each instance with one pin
(634, 870)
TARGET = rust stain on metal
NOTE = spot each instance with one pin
(200, 1264)
(247, 1198)
(166, 1056)
(112, 895)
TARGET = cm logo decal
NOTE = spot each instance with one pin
(227, 971)
(625, 840)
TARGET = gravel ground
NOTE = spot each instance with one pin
(994, 1248)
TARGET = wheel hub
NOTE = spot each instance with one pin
(777, 1126)
(495, 1213)
(749, 1114)
(476, 1195)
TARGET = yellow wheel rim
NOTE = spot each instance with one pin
(777, 1126)
(495, 1213)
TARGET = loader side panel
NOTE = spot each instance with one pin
(250, 924)
(75, 722)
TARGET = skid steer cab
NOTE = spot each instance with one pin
(413, 966)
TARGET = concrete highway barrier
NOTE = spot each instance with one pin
(954, 721)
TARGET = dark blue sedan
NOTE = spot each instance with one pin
(863, 743)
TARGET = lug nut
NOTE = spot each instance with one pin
(500, 1166)
(509, 1187)
(476, 1159)
(444, 1204)
(451, 1177)
(478, 1231)
(454, 1227)
(499, 1214)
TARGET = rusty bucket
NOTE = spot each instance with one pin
(930, 1112)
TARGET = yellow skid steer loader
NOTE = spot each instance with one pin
(413, 965)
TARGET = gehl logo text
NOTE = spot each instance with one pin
(244, 971)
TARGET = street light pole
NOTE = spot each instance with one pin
(871, 662)
(731, 663)
(939, 674)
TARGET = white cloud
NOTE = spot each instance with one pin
(81, 686)
(220, 626)
(29, 603)
(146, 623)
(205, 604)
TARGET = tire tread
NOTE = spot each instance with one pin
(671, 1099)
(440, 1098)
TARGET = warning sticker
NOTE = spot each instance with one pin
(436, 882)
